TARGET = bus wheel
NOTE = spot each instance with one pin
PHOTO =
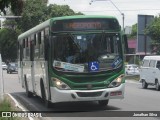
(144, 84)
(29, 94)
(46, 102)
(103, 103)
(157, 86)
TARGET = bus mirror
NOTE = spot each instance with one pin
(125, 44)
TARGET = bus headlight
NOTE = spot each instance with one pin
(60, 85)
(117, 82)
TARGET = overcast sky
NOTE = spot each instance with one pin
(130, 8)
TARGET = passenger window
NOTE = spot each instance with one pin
(158, 65)
(152, 63)
(146, 63)
(41, 44)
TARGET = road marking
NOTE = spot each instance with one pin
(18, 105)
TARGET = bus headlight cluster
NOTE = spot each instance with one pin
(117, 82)
(60, 85)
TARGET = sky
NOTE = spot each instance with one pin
(130, 8)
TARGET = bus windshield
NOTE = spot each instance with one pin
(86, 52)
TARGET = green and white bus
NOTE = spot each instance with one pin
(73, 58)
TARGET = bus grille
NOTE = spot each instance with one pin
(89, 94)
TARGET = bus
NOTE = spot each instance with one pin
(73, 58)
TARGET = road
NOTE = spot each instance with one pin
(136, 99)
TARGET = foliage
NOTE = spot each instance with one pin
(3, 4)
(37, 11)
(153, 30)
(5, 105)
(33, 14)
(10, 24)
(134, 31)
(16, 6)
(8, 44)
(60, 10)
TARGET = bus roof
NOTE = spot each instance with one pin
(82, 16)
(34, 29)
(47, 22)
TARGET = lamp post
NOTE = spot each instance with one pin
(115, 7)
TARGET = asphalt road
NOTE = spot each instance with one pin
(136, 99)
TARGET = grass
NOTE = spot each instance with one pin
(5, 105)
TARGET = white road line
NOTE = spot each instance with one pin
(18, 105)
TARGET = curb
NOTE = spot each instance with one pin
(18, 105)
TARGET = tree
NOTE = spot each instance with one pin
(60, 10)
(8, 44)
(33, 14)
(153, 30)
(16, 6)
(36, 12)
(134, 31)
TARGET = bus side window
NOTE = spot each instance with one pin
(39, 38)
(24, 48)
(36, 47)
(23, 43)
(45, 43)
(41, 44)
(35, 42)
(32, 48)
(20, 51)
(27, 48)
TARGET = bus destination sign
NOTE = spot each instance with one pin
(85, 24)
(82, 25)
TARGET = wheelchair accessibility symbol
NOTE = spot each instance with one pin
(93, 66)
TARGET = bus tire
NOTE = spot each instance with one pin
(29, 94)
(43, 93)
(144, 84)
(103, 103)
(157, 85)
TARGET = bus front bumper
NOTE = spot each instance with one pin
(86, 95)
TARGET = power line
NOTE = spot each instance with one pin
(122, 10)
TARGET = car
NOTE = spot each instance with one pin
(4, 66)
(150, 72)
(12, 67)
(132, 69)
